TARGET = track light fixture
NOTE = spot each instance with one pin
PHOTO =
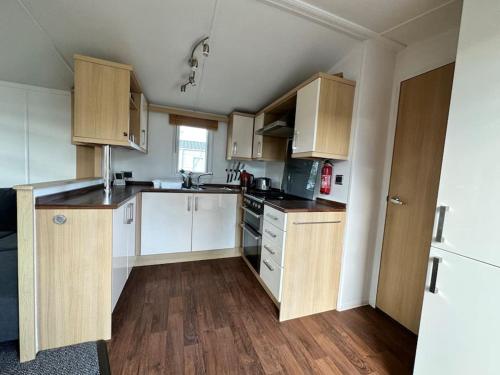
(193, 62)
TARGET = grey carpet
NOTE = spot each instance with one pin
(79, 359)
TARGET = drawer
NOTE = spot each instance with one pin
(273, 249)
(270, 273)
(273, 233)
(275, 217)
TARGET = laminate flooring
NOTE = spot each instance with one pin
(213, 317)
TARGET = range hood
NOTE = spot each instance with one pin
(277, 128)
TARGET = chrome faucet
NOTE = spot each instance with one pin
(201, 175)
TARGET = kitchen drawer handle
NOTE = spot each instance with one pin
(269, 249)
(59, 219)
(271, 268)
(270, 233)
(435, 268)
(272, 217)
(316, 222)
(440, 225)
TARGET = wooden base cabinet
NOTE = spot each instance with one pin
(84, 257)
(300, 261)
(73, 276)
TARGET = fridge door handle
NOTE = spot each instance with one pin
(434, 273)
(440, 224)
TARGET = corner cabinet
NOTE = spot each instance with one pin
(323, 118)
(108, 104)
(184, 222)
(240, 136)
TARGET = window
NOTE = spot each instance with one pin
(192, 146)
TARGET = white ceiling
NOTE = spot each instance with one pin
(257, 51)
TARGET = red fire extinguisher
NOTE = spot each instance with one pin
(326, 178)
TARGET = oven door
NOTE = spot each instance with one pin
(252, 219)
(252, 242)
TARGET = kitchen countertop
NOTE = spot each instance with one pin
(319, 205)
(94, 197)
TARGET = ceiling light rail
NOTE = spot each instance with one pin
(193, 62)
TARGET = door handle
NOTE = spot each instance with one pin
(294, 141)
(268, 265)
(189, 204)
(269, 249)
(440, 225)
(270, 233)
(196, 203)
(396, 200)
(435, 268)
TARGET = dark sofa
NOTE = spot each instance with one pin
(8, 266)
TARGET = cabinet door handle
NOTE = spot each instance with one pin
(269, 249)
(316, 222)
(189, 204)
(235, 146)
(196, 203)
(270, 233)
(434, 273)
(271, 268)
(259, 148)
(131, 213)
(295, 138)
(440, 225)
(143, 138)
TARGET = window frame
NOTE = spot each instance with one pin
(175, 150)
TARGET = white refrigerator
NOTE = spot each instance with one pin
(460, 323)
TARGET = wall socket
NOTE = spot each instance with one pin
(339, 179)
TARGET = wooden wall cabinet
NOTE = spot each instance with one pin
(107, 104)
(323, 118)
(240, 136)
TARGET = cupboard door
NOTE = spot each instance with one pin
(101, 102)
(240, 137)
(214, 221)
(120, 251)
(258, 139)
(306, 117)
(144, 118)
(459, 327)
(166, 223)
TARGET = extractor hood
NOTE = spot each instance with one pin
(277, 128)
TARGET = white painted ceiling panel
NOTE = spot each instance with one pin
(377, 15)
(27, 55)
(443, 19)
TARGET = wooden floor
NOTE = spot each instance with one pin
(213, 317)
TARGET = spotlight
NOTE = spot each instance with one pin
(191, 78)
(206, 49)
(193, 62)
(183, 88)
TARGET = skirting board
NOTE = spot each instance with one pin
(191, 256)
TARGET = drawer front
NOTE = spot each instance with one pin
(273, 249)
(270, 273)
(275, 217)
(273, 233)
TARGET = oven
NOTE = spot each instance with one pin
(253, 209)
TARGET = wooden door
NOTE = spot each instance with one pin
(418, 149)
(306, 117)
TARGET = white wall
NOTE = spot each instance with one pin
(160, 162)
(372, 67)
(35, 128)
(415, 59)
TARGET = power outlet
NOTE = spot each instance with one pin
(339, 179)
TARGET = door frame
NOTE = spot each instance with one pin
(386, 179)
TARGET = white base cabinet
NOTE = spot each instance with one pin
(181, 222)
(214, 222)
(166, 223)
(123, 247)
